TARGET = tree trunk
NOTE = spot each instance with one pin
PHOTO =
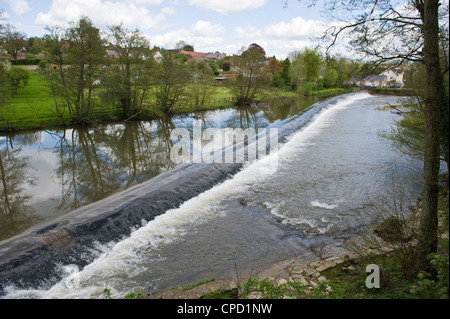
(429, 222)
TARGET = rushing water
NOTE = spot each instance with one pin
(328, 176)
(46, 174)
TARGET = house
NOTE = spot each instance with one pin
(19, 56)
(112, 54)
(215, 56)
(158, 56)
(368, 81)
(355, 80)
(189, 54)
(395, 76)
(375, 81)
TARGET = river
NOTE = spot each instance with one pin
(329, 174)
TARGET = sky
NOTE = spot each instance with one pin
(209, 25)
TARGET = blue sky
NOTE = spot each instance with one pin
(209, 25)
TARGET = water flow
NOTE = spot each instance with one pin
(327, 173)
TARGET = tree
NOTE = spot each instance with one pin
(14, 41)
(410, 32)
(274, 66)
(77, 57)
(200, 88)
(171, 83)
(182, 45)
(286, 65)
(250, 79)
(129, 77)
(330, 77)
(257, 47)
(18, 78)
(305, 66)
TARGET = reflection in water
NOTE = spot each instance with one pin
(15, 214)
(47, 174)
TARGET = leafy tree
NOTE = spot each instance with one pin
(129, 77)
(200, 88)
(286, 65)
(250, 79)
(35, 45)
(171, 82)
(274, 66)
(77, 57)
(18, 78)
(305, 66)
(182, 45)
(330, 77)
(13, 41)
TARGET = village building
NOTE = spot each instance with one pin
(395, 76)
(189, 54)
(215, 56)
(388, 78)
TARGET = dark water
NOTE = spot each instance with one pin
(328, 176)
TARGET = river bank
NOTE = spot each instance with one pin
(337, 273)
(34, 107)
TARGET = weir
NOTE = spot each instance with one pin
(35, 257)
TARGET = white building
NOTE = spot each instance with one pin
(394, 76)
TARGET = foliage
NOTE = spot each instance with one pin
(305, 66)
(135, 295)
(4, 85)
(127, 80)
(171, 83)
(182, 45)
(426, 287)
(268, 290)
(18, 79)
(76, 56)
(248, 84)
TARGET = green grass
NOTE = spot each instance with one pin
(32, 107)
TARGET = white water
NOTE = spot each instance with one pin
(133, 260)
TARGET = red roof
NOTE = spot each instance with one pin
(194, 54)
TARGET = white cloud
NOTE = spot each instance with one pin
(168, 10)
(132, 13)
(19, 7)
(229, 6)
(205, 36)
(298, 29)
(281, 38)
(247, 32)
(147, 2)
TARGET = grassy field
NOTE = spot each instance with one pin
(33, 107)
